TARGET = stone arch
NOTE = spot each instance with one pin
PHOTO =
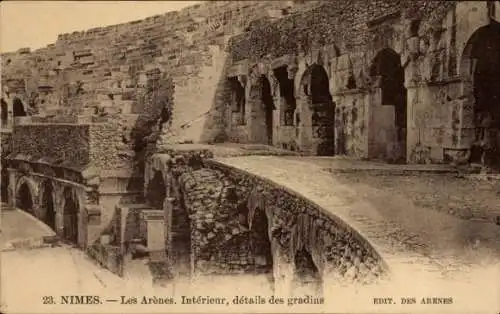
(287, 95)
(307, 274)
(388, 76)
(317, 102)
(71, 215)
(480, 63)
(18, 109)
(261, 104)
(260, 243)
(471, 16)
(24, 199)
(47, 204)
(25, 195)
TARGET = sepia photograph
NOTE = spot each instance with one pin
(309, 156)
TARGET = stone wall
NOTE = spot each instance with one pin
(226, 207)
(107, 67)
(63, 143)
(428, 38)
(75, 144)
(6, 138)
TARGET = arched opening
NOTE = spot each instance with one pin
(323, 111)
(24, 198)
(268, 107)
(157, 190)
(288, 101)
(18, 108)
(483, 54)
(260, 243)
(47, 204)
(307, 279)
(5, 112)
(70, 217)
(320, 89)
(5, 185)
(387, 69)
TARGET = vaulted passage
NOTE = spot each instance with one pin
(156, 190)
(267, 107)
(323, 116)
(387, 68)
(70, 217)
(18, 108)
(47, 206)
(288, 101)
(485, 67)
(24, 198)
(307, 277)
(260, 244)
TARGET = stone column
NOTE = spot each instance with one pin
(283, 270)
(12, 187)
(305, 125)
(59, 207)
(155, 224)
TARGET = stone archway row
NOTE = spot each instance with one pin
(58, 203)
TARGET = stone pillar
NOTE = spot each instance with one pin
(155, 224)
(305, 125)
(11, 189)
(59, 207)
(283, 270)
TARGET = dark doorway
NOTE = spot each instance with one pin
(307, 277)
(71, 213)
(18, 108)
(157, 190)
(387, 67)
(268, 103)
(260, 243)
(24, 198)
(323, 116)
(485, 57)
(287, 94)
(48, 204)
(5, 185)
(5, 112)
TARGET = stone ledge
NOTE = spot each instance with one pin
(94, 213)
(152, 214)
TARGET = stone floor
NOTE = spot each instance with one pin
(31, 234)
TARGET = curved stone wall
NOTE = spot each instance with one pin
(221, 204)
